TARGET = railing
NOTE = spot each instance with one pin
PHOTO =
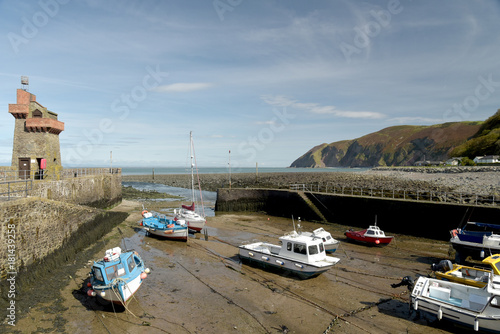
(404, 194)
(78, 172)
(16, 175)
(10, 189)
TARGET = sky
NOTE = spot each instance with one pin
(257, 82)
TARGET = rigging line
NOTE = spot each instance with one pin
(198, 177)
(226, 298)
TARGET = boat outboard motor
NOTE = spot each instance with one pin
(442, 266)
(407, 280)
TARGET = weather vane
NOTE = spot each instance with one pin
(25, 82)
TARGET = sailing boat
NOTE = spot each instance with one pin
(195, 221)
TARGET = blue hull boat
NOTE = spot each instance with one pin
(117, 276)
(160, 225)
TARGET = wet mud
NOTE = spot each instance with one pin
(200, 286)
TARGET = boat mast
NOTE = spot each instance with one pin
(192, 164)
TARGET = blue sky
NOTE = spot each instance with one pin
(267, 80)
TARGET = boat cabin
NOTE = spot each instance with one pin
(118, 265)
(494, 262)
(374, 231)
(302, 248)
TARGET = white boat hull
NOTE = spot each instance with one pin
(474, 249)
(194, 221)
(331, 247)
(180, 234)
(465, 305)
(254, 253)
(121, 292)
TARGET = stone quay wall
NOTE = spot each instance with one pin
(33, 227)
(42, 223)
(100, 191)
(415, 218)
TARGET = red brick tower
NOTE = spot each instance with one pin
(36, 137)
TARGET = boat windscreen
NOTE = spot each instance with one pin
(131, 263)
(98, 274)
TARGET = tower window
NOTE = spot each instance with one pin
(37, 114)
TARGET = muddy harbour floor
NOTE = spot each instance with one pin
(200, 286)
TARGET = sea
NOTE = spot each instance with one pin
(225, 170)
(209, 197)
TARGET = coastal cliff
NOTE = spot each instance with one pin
(393, 146)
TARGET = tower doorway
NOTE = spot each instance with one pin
(24, 168)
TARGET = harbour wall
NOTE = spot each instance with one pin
(100, 191)
(416, 218)
(54, 224)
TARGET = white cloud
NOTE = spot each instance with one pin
(315, 108)
(182, 87)
(407, 120)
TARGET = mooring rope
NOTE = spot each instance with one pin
(364, 308)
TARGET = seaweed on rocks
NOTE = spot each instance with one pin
(37, 282)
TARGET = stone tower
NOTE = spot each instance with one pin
(36, 149)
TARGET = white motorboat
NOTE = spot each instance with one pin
(330, 243)
(298, 254)
(476, 240)
(467, 305)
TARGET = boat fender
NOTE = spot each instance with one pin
(280, 262)
(299, 265)
(144, 212)
(440, 313)
(144, 275)
(250, 253)
(91, 293)
(415, 305)
(476, 324)
(454, 233)
(265, 258)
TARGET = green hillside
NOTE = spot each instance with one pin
(485, 142)
(400, 145)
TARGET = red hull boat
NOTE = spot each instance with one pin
(372, 235)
